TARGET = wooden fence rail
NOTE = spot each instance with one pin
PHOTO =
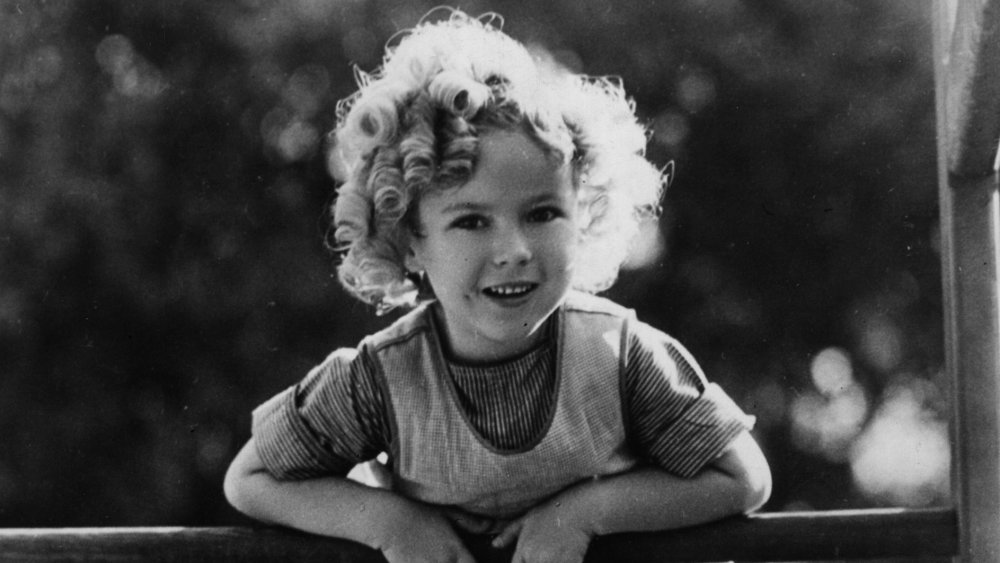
(967, 55)
(792, 536)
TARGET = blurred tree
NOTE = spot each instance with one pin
(162, 197)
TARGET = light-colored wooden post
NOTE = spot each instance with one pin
(967, 73)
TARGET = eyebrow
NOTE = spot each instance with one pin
(463, 206)
(471, 206)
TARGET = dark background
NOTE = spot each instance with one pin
(162, 216)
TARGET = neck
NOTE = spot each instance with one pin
(478, 348)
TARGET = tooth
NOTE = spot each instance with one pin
(508, 290)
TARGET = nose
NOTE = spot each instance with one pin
(511, 246)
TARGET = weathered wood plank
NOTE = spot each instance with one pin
(973, 223)
(967, 76)
(760, 537)
(969, 72)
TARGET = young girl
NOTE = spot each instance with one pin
(493, 194)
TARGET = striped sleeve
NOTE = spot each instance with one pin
(675, 418)
(331, 420)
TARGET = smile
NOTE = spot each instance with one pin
(509, 290)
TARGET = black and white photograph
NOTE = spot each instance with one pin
(578, 280)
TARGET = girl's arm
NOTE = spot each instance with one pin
(646, 499)
(333, 506)
(737, 482)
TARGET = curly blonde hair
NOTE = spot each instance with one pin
(414, 125)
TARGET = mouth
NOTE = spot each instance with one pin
(509, 290)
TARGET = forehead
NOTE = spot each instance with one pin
(512, 166)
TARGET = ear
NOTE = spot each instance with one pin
(411, 261)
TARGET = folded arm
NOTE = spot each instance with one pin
(402, 529)
(739, 481)
(646, 499)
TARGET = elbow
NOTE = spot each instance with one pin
(239, 483)
(756, 488)
(755, 480)
(233, 488)
(750, 474)
(241, 490)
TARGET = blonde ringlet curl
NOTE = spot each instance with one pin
(371, 270)
(386, 191)
(458, 150)
(370, 119)
(414, 125)
(458, 94)
(351, 216)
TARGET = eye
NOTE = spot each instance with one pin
(545, 214)
(469, 223)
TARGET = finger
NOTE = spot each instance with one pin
(520, 556)
(471, 523)
(463, 556)
(508, 534)
(543, 553)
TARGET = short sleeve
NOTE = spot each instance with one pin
(675, 418)
(331, 420)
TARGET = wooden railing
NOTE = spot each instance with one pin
(967, 79)
(793, 536)
(967, 59)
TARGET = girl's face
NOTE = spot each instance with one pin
(499, 250)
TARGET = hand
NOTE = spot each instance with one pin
(467, 521)
(424, 534)
(548, 533)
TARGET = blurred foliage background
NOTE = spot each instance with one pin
(162, 215)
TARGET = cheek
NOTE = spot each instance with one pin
(448, 258)
(562, 245)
